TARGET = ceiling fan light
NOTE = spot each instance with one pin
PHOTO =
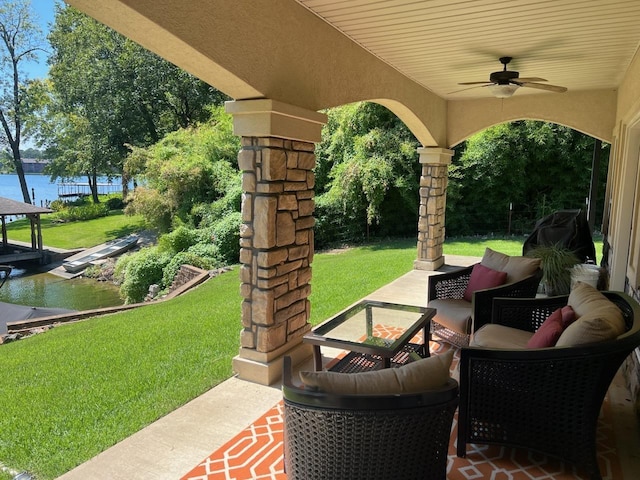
(503, 91)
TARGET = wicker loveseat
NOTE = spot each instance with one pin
(366, 436)
(545, 399)
(458, 316)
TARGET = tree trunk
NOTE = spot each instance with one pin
(125, 185)
(17, 162)
(93, 185)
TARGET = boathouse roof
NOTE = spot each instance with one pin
(13, 207)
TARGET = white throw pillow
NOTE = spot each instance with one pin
(517, 268)
(597, 318)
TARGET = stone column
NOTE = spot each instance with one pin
(276, 238)
(433, 199)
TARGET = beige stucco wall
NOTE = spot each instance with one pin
(623, 184)
(591, 112)
(275, 49)
(629, 93)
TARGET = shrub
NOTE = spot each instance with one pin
(120, 270)
(207, 214)
(226, 233)
(208, 250)
(153, 206)
(142, 270)
(85, 212)
(57, 205)
(185, 258)
(115, 203)
(179, 240)
(92, 271)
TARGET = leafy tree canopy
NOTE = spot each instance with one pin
(367, 173)
(187, 168)
(536, 167)
(108, 93)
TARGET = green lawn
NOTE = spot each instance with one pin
(474, 246)
(78, 234)
(78, 389)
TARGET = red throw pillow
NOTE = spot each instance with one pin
(568, 316)
(551, 329)
(483, 277)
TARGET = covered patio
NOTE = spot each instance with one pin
(283, 61)
(174, 446)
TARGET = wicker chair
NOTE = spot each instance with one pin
(330, 436)
(545, 399)
(452, 285)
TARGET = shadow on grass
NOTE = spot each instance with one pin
(123, 231)
(374, 244)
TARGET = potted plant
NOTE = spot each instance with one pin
(556, 263)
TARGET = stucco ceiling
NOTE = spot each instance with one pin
(578, 44)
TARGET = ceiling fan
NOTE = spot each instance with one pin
(504, 83)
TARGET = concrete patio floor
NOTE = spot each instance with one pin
(170, 447)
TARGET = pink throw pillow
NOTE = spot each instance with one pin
(483, 277)
(568, 316)
(551, 329)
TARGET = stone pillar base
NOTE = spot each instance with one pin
(430, 265)
(266, 368)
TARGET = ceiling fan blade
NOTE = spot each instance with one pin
(543, 86)
(475, 86)
(474, 83)
(531, 79)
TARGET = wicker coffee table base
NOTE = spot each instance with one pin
(361, 362)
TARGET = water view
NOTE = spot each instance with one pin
(41, 188)
(30, 286)
(47, 290)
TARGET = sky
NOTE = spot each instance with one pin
(43, 11)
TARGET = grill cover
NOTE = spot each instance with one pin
(567, 228)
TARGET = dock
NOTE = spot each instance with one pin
(74, 265)
(83, 189)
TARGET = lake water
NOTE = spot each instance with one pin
(40, 187)
(36, 289)
(33, 288)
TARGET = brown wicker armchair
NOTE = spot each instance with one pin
(366, 436)
(451, 286)
(545, 399)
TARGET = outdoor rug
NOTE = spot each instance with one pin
(256, 453)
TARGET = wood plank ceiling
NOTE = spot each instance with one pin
(579, 44)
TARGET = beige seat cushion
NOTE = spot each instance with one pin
(455, 314)
(598, 319)
(416, 377)
(499, 336)
(517, 268)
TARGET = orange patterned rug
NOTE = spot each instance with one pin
(256, 453)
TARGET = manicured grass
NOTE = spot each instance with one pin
(80, 388)
(475, 246)
(342, 277)
(78, 234)
(76, 390)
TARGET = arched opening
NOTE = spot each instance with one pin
(367, 176)
(507, 176)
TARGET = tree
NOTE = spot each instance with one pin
(115, 94)
(189, 168)
(80, 151)
(537, 167)
(367, 174)
(21, 39)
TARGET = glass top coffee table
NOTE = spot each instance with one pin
(376, 334)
